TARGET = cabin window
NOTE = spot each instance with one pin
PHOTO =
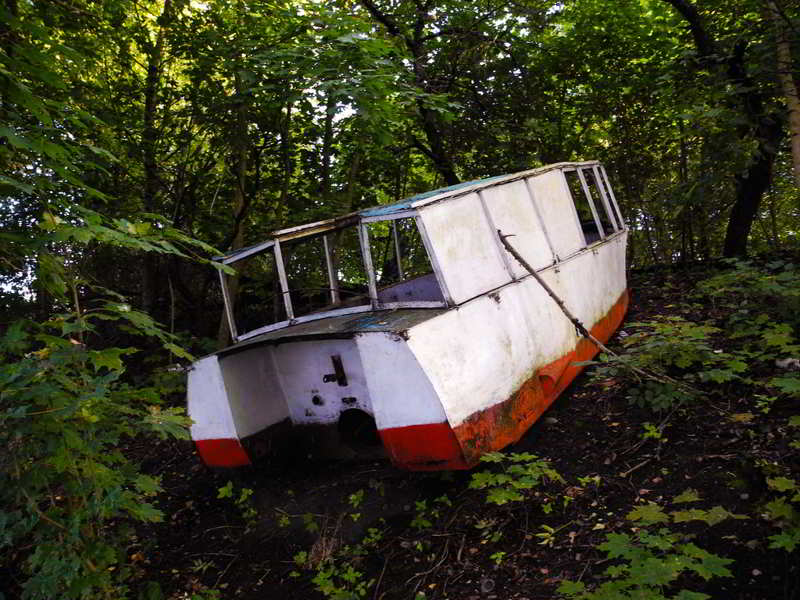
(403, 270)
(604, 183)
(594, 222)
(607, 218)
(256, 292)
(325, 271)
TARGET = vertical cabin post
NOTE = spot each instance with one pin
(400, 272)
(287, 300)
(333, 280)
(498, 241)
(604, 198)
(588, 195)
(226, 296)
(539, 218)
(613, 197)
(363, 236)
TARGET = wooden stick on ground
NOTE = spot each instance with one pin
(660, 377)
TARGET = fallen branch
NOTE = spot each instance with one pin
(647, 374)
(624, 474)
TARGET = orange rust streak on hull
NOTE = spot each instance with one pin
(437, 446)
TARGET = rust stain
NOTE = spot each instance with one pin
(504, 423)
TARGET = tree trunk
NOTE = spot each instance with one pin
(788, 84)
(150, 283)
(414, 42)
(766, 130)
(240, 204)
(750, 188)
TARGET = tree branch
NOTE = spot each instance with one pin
(705, 44)
(384, 19)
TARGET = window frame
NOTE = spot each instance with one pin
(326, 228)
(607, 199)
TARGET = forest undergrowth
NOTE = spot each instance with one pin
(626, 488)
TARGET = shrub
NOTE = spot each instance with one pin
(68, 492)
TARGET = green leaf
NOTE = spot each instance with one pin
(779, 509)
(788, 384)
(23, 187)
(782, 484)
(712, 516)
(786, 540)
(110, 359)
(226, 491)
(706, 565)
(571, 588)
(146, 512)
(617, 545)
(147, 485)
(689, 595)
(648, 514)
(689, 495)
(178, 351)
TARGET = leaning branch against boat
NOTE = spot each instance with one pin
(647, 374)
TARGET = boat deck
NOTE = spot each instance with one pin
(343, 326)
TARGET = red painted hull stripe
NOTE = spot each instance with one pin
(222, 452)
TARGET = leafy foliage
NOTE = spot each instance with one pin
(517, 472)
(68, 490)
(649, 562)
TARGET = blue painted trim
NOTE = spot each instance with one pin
(388, 209)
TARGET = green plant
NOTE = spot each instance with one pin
(650, 561)
(68, 491)
(652, 432)
(586, 480)
(681, 348)
(201, 566)
(282, 518)
(747, 287)
(547, 536)
(488, 530)
(340, 581)
(242, 501)
(784, 511)
(517, 472)
(498, 557)
(356, 498)
(310, 523)
(424, 513)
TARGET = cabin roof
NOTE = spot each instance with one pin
(386, 210)
(389, 321)
(408, 203)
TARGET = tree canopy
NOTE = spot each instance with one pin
(138, 138)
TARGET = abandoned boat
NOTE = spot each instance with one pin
(412, 319)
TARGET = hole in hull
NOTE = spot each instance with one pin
(357, 428)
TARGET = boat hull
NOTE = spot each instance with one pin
(439, 446)
(442, 388)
